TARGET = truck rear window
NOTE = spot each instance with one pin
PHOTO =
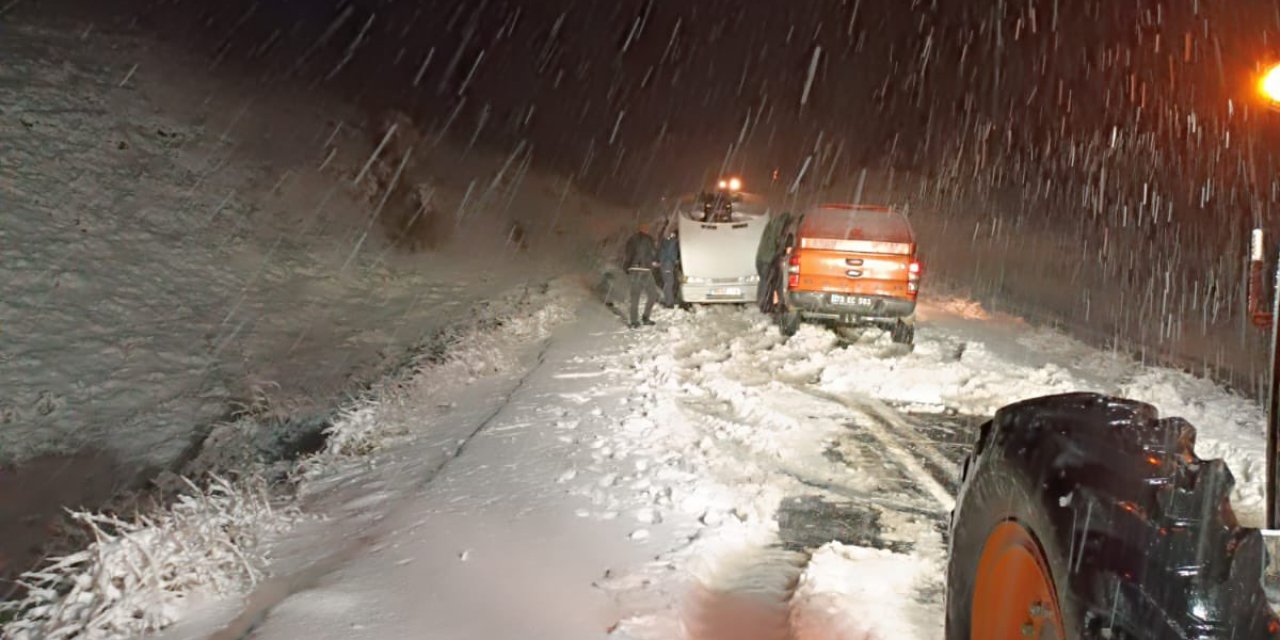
(879, 225)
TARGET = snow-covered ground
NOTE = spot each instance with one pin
(558, 476)
(181, 257)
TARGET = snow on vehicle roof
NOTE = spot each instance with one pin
(856, 222)
(745, 207)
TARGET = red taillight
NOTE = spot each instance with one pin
(914, 269)
(793, 271)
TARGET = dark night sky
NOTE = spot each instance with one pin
(619, 90)
(1124, 136)
(613, 85)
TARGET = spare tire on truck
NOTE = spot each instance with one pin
(1086, 516)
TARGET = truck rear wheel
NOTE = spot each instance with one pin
(903, 332)
(788, 321)
(1085, 516)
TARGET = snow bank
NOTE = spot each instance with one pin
(941, 374)
(972, 362)
(1228, 426)
(855, 593)
(488, 347)
(139, 575)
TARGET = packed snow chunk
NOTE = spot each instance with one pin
(637, 425)
(733, 548)
(648, 516)
(1199, 401)
(857, 593)
(974, 381)
(742, 588)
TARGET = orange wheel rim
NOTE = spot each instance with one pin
(1014, 597)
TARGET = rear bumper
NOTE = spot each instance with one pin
(717, 293)
(816, 305)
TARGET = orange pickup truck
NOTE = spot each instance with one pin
(849, 265)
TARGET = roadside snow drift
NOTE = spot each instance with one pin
(142, 575)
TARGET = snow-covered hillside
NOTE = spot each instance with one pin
(180, 249)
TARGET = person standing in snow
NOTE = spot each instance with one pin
(668, 258)
(768, 259)
(639, 262)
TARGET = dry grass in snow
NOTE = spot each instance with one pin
(137, 575)
(491, 347)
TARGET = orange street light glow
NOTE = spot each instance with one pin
(1269, 86)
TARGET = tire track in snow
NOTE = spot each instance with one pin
(930, 471)
(755, 598)
(875, 426)
(742, 453)
(761, 426)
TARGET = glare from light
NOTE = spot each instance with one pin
(1269, 86)
(724, 184)
(735, 184)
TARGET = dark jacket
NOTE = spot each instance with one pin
(669, 253)
(641, 252)
(771, 243)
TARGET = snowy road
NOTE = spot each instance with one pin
(553, 475)
(565, 478)
(609, 484)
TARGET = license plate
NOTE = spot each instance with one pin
(858, 301)
(727, 291)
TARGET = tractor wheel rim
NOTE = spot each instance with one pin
(1014, 597)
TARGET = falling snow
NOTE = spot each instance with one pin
(221, 221)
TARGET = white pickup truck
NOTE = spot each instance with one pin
(718, 249)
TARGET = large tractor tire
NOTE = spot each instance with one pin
(1085, 516)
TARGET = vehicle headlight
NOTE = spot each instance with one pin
(696, 280)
